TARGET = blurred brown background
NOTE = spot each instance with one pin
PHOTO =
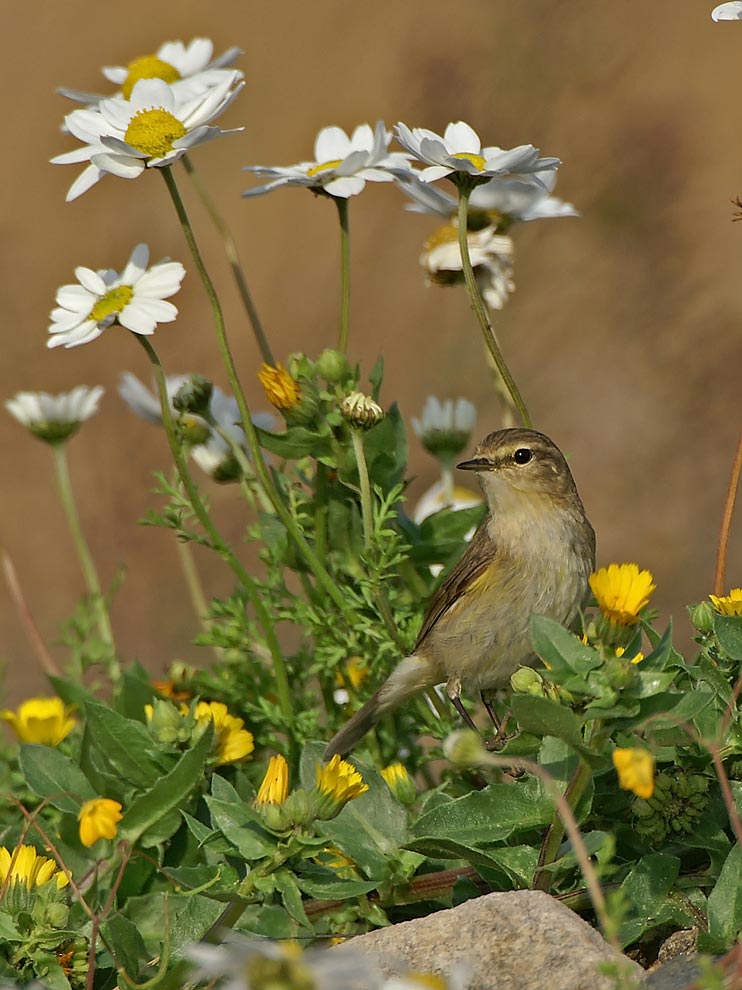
(624, 332)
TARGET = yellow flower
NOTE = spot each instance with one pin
(99, 819)
(730, 604)
(25, 865)
(281, 389)
(399, 782)
(275, 786)
(233, 741)
(635, 768)
(622, 591)
(620, 650)
(355, 671)
(340, 780)
(41, 720)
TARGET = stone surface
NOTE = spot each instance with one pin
(520, 940)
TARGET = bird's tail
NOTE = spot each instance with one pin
(409, 678)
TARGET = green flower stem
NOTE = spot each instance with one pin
(367, 513)
(263, 617)
(87, 564)
(323, 578)
(195, 589)
(553, 840)
(479, 309)
(342, 207)
(230, 249)
(320, 511)
(255, 492)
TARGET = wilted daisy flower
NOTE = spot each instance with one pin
(491, 256)
(460, 150)
(55, 418)
(727, 12)
(445, 427)
(342, 164)
(153, 129)
(635, 768)
(135, 299)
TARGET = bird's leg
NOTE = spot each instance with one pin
(489, 704)
(453, 690)
(501, 736)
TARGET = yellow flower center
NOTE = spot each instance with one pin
(154, 132)
(448, 233)
(148, 67)
(114, 301)
(324, 167)
(477, 161)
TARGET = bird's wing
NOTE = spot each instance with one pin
(475, 561)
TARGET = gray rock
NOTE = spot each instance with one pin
(519, 940)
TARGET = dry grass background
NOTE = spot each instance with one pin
(624, 332)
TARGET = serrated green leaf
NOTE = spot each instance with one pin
(54, 776)
(121, 743)
(544, 717)
(170, 791)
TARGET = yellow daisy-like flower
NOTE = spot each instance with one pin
(399, 782)
(635, 768)
(24, 865)
(730, 604)
(275, 786)
(355, 672)
(99, 819)
(281, 390)
(340, 780)
(233, 741)
(622, 591)
(41, 720)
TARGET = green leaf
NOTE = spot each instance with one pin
(324, 885)
(376, 377)
(295, 443)
(185, 918)
(490, 815)
(544, 717)
(561, 649)
(128, 944)
(136, 692)
(668, 710)
(122, 743)
(240, 825)
(725, 902)
(647, 888)
(291, 896)
(728, 630)
(385, 446)
(170, 791)
(52, 775)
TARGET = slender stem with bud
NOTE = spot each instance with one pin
(342, 207)
(367, 514)
(475, 297)
(221, 547)
(87, 564)
(247, 424)
(230, 249)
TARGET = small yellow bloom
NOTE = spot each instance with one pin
(355, 672)
(281, 389)
(399, 782)
(41, 720)
(635, 768)
(730, 604)
(340, 780)
(25, 865)
(168, 689)
(233, 741)
(620, 650)
(275, 786)
(622, 591)
(99, 819)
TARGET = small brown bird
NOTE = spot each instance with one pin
(532, 553)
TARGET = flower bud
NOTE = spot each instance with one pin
(332, 365)
(526, 680)
(464, 748)
(361, 410)
(400, 783)
(194, 396)
(166, 723)
(702, 616)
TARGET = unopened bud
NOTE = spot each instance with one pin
(194, 396)
(332, 365)
(702, 616)
(361, 410)
(526, 680)
(464, 748)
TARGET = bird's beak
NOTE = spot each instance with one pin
(475, 464)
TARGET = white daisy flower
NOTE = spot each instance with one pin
(445, 427)
(342, 166)
(183, 66)
(460, 150)
(153, 129)
(135, 299)
(511, 199)
(209, 450)
(727, 12)
(55, 418)
(491, 256)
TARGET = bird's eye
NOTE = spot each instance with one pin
(522, 455)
